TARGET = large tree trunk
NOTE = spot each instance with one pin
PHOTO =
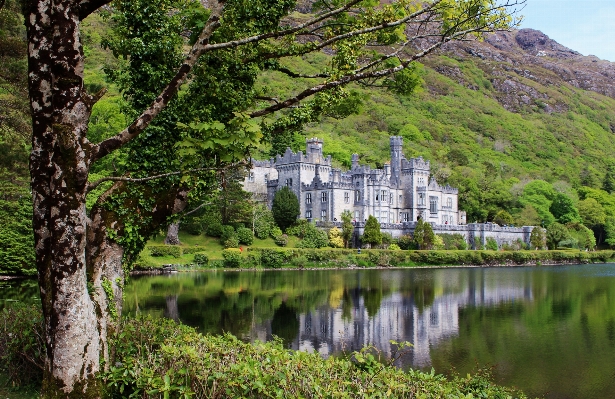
(172, 237)
(59, 166)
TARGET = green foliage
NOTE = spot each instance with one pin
(563, 209)
(166, 359)
(108, 289)
(232, 257)
(454, 241)
(347, 227)
(592, 213)
(394, 247)
(371, 234)
(538, 238)
(245, 236)
(285, 208)
(214, 229)
(165, 250)
(503, 218)
(201, 259)
(583, 236)
(263, 221)
(22, 345)
(313, 237)
(16, 239)
(231, 242)
(406, 242)
(491, 244)
(281, 240)
(275, 258)
(423, 235)
(556, 233)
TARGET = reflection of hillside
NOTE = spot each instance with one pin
(330, 330)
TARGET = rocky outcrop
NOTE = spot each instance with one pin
(525, 65)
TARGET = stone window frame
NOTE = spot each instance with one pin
(346, 197)
(433, 204)
(323, 215)
(308, 214)
(383, 195)
(251, 177)
(449, 202)
(421, 199)
(323, 196)
(308, 198)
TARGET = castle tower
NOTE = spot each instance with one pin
(396, 156)
(314, 149)
(354, 161)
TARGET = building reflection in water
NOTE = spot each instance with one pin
(330, 330)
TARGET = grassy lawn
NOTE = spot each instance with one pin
(208, 245)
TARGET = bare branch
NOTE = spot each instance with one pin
(298, 75)
(98, 182)
(113, 143)
(86, 7)
(197, 208)
(359, 76)
(265, 98)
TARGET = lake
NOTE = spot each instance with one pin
(549, 331)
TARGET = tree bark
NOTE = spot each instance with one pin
(172, 237)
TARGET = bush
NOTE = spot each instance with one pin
(454, 241)
(227, 232)
(245, 236)
(281, 240)
(274, 258)
(313, 238)
(232, 257)
(387, 239)
(155, 355)
(276, 232)
(165, 250)
(231, 242)
(201, 259)
(213, 229)
(491, 244)
(406, 242)
(299, 262)
(335, 238)
(194, 226)
(394, 247)
(22, 347)
(194, 249)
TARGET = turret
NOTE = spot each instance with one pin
(396, 156)
(354, 161)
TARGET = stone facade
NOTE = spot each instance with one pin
(401, 192)
(397, 195)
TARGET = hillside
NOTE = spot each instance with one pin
(490, 115)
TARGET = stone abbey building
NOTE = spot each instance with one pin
(397, 195)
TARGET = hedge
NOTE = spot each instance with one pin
(166, 250)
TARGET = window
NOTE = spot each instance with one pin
(356, 215)
(433, 204)
(383, 197)
(346, 197)
(266, 177)
(449, 202)
(377, 196)
(421, 181)
(391, 199)
(357, 196)
(308, 198)
(391, 217)
(323, 197)
(308, 214)
(421, 199)
(405, 216)
(251, 176)
(323, 214)
(289, 182)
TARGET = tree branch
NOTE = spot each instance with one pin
(359, 76)
(113, 143)
(298, 75)
(92, 186)
(86, 7)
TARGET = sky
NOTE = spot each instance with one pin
(586, 26)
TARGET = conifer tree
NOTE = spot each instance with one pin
(285, 208)
(372, 235)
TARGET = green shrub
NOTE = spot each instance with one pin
(245, 236)
(213, 229)
(232, 257)
(299, 262)
(406, 242)
(165, 250)
(281, 240)
(22, 346)
(159, 357)
(193, 226)
(274, 258)
(313, 238)
(201, 259)
(275, 232)
(194, 249)
(227, 232)
(454, 241)
(231, 242)
(394, 247)
(491, 244)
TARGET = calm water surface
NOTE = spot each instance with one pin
(549, 331)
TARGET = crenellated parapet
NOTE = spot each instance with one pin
(415, 163)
